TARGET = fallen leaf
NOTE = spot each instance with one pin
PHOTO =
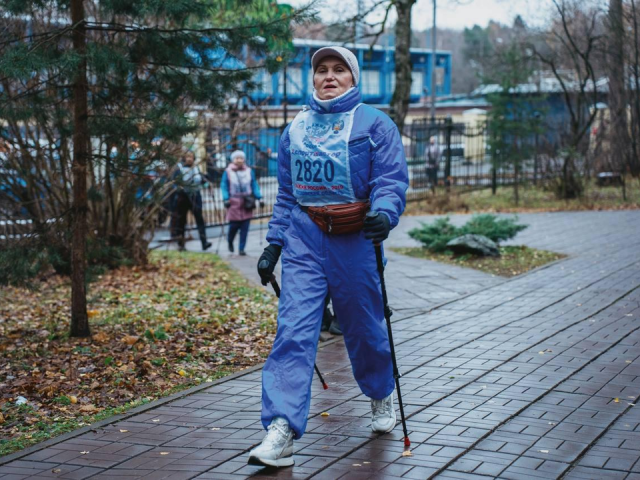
(215, 429)
(88, 408)
(407, 453)
(155, 420)
(85, 452)
(130, 339)
(73, 399)
(100, 337)
(616, 400)
(164, 453)
(544, 451)
(92, 313)
(324, 414)
(122, 430)
(56, 470)
(182, 373)
(356, 465)
(1, 418)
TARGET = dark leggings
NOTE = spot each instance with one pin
(243, 226)
(184, 203)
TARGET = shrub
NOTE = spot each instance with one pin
(497, 229)
(436, 235)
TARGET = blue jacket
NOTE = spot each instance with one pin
(377, 162)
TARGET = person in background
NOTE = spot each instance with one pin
(240, 191)
(189, 181)
(432, 154)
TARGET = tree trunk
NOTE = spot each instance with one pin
(79, 318)
(620, 140)
(635, 68)
(400, 99)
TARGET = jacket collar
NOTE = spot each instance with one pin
(343, 105)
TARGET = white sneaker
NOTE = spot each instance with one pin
(276, 450)
(383, 415)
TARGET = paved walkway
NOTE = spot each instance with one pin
(535, 377)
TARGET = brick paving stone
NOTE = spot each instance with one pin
(517, 380)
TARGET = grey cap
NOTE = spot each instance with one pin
(343, 53)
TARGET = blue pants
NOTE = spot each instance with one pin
(314, 263)
(243, 226)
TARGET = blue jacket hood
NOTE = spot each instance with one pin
(343, 105)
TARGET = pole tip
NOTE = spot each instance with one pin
(325, 386)
(407, 442)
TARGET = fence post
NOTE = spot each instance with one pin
(447, 166)
(494, 178)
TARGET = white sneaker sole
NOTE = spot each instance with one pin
(385, 431)
(267, 462)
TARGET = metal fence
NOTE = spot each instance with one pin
(464, 161)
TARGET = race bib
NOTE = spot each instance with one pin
(319, 145)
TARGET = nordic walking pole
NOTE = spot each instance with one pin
(387, 316)
(276, 289)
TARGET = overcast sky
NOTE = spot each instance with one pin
(456, 14)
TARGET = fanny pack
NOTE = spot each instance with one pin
(339, 219)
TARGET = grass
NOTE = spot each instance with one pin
(532, 199)
(184, 319)
(513, 260)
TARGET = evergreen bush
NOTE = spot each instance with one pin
(497, 229)
(436, 235)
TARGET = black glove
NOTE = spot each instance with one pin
(267, 262)
(376, 227)
(227, 203)
(261, 204)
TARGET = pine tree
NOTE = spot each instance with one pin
(514, 118)
(94, 93)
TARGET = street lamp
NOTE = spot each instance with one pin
(433, 66)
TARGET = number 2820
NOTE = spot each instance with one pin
(315, 171)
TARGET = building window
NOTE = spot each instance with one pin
(439, 76)
(264, 83)
(392, 82)
(417, 83)
(370, 82)
(294, 82)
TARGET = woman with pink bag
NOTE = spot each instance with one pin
(240, 191)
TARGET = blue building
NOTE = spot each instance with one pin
(377, 76)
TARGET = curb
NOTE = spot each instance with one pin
(134, 411)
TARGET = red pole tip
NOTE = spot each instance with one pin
(407, 442)
(325, 386)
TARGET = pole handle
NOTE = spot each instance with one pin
(274, 283)
(373, 214)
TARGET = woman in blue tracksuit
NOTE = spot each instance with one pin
(337, 152)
